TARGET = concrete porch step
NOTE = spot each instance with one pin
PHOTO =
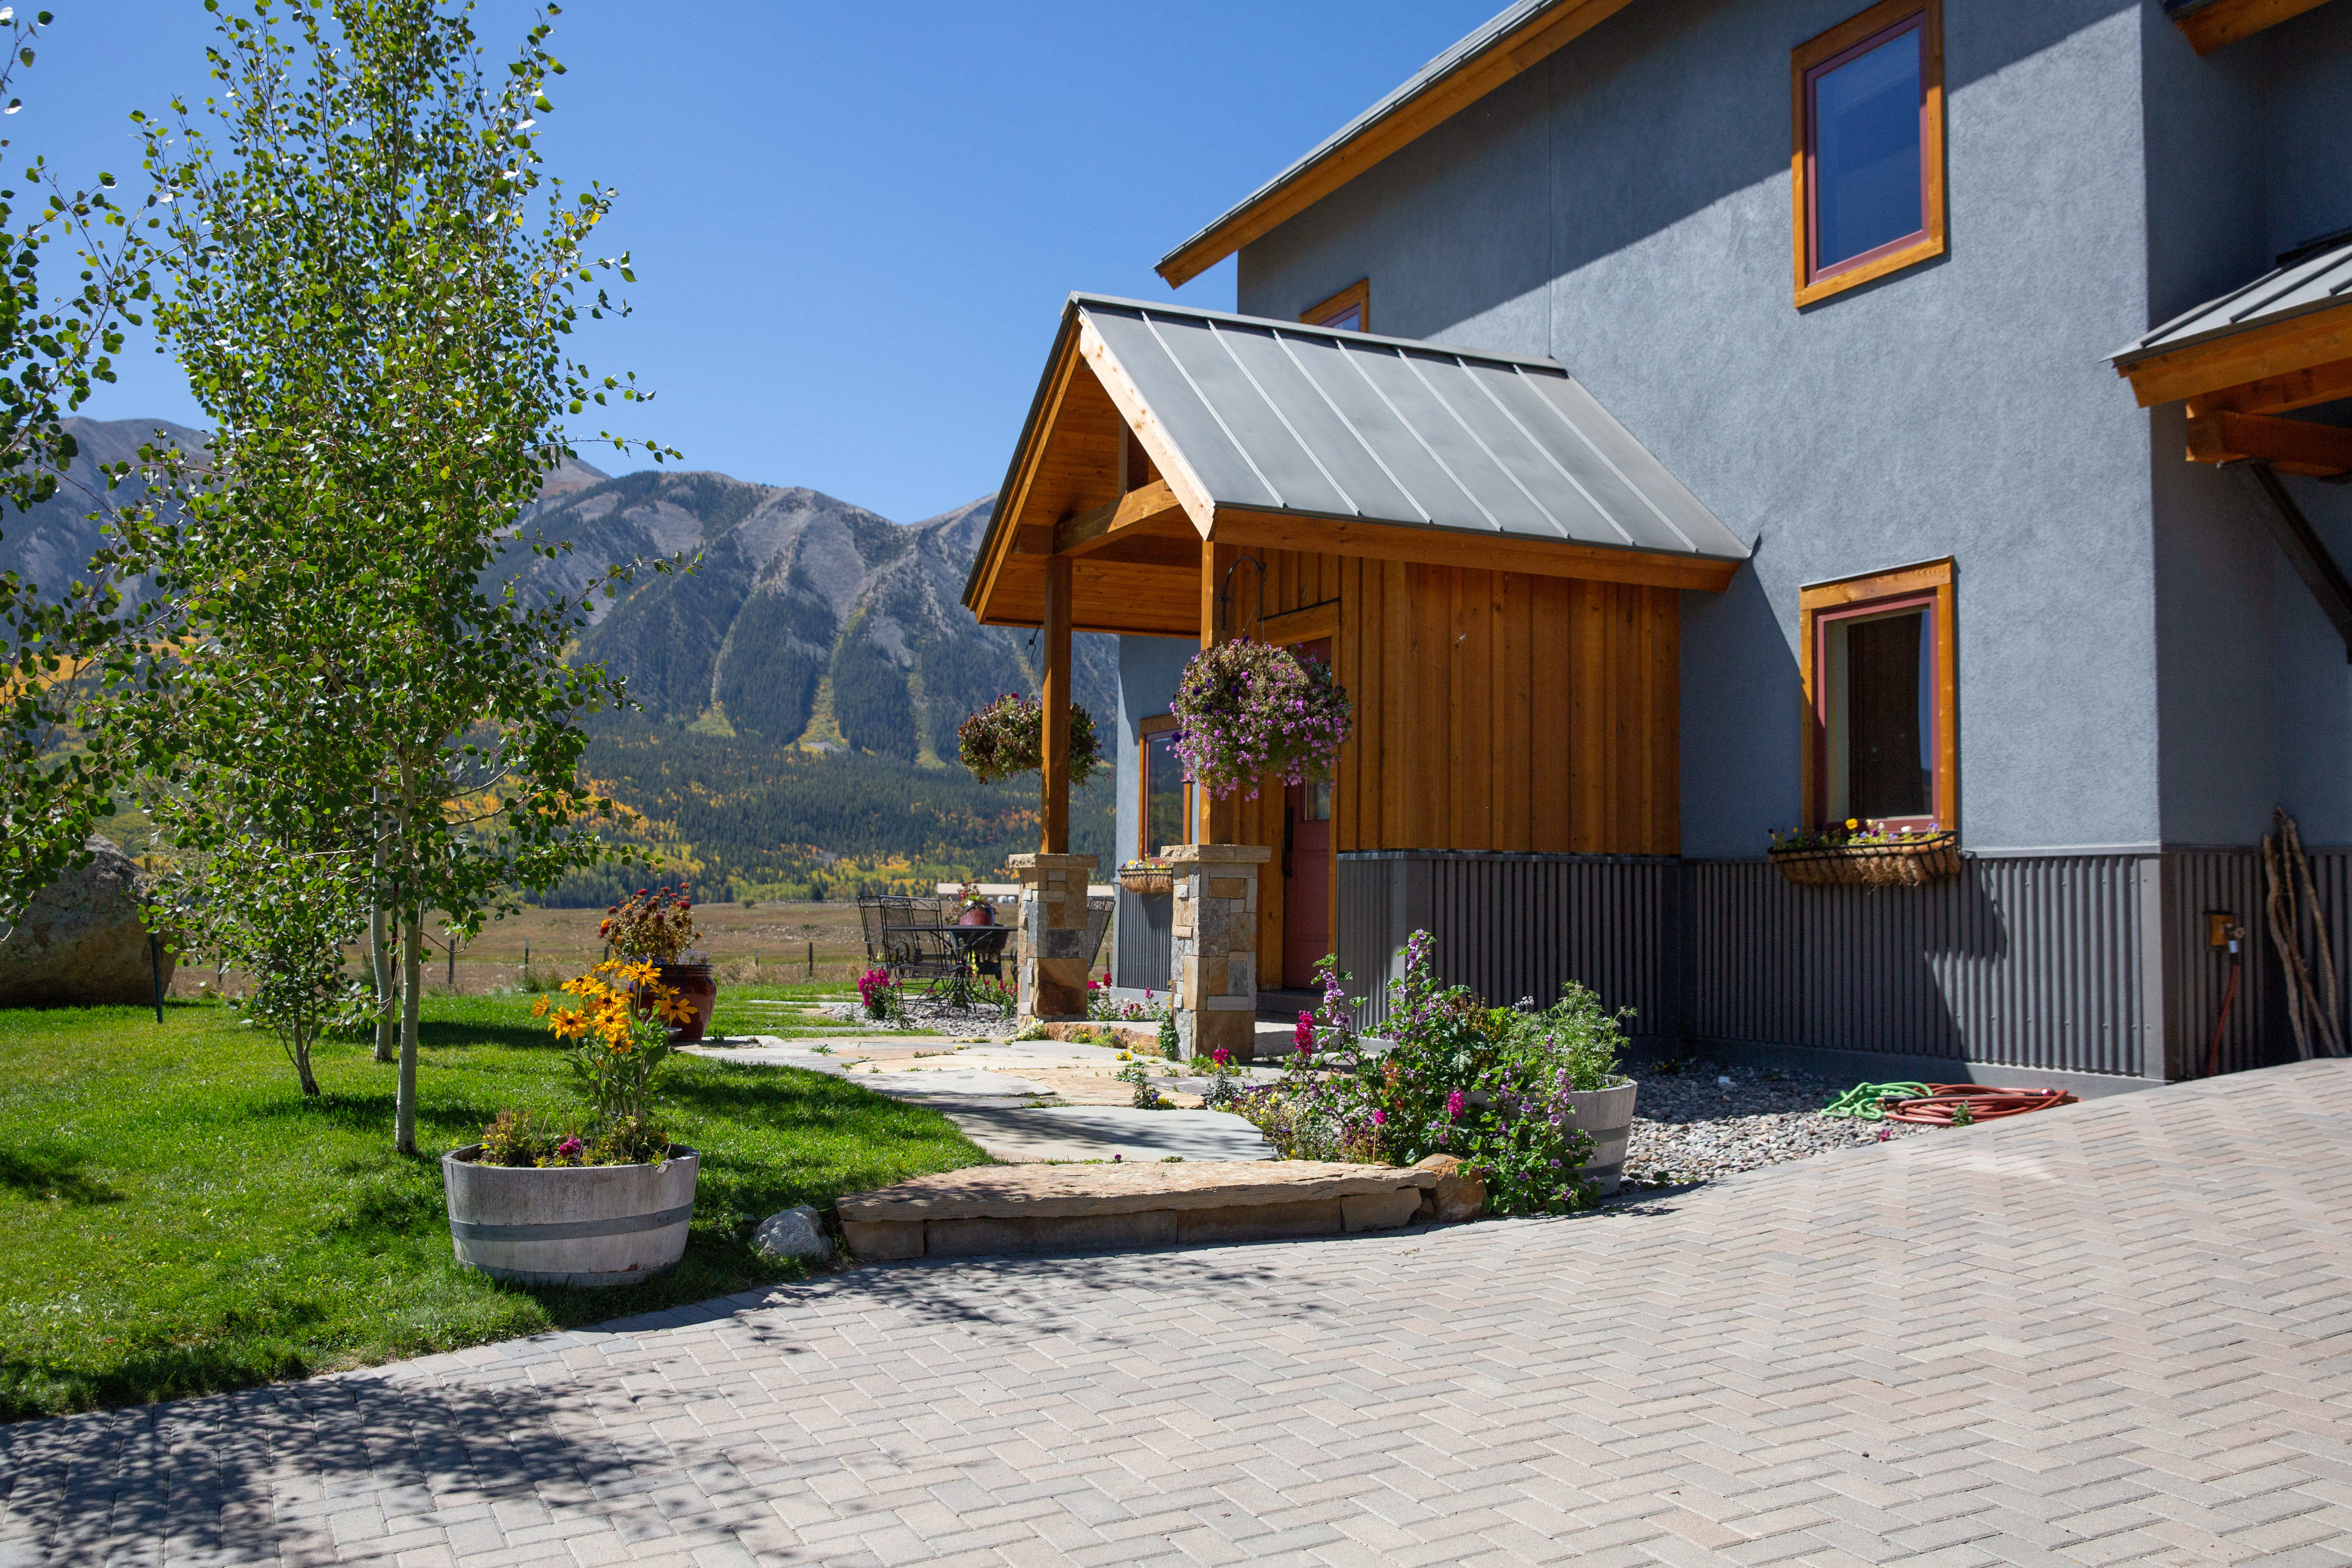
(995, 1210)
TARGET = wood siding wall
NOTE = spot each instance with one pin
(1493, 710)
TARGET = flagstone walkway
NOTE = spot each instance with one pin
(2117, 1332)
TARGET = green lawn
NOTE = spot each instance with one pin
(176, 1220)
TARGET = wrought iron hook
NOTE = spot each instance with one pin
(1226, 595)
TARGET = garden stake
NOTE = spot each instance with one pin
(2328, 1008)
(155, 967)
(2281, 924)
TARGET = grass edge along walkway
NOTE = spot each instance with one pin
(174, 1220)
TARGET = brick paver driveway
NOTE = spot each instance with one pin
(2117, 1332)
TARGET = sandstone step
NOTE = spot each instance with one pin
(991, 1210)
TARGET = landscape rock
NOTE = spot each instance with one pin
(794, 1233)
(80, 943)
(1456, 1197)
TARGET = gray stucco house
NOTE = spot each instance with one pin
(2004, 344)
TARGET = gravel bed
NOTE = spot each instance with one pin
(924, 1013)
(1707, 1120)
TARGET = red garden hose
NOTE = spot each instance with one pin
(2213, 1055)
(1985, 1104)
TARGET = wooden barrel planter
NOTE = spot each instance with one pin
(693, 982)
(1606, 1116)
(1913, 863)
(570, 1224)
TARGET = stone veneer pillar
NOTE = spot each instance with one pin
(1054, 956)
(1215, 937)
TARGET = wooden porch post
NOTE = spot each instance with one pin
(1055, 953)
(1219, 821)
(1053, 811)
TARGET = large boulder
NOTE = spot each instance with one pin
(80, 943)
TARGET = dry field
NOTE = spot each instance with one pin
(769, 941)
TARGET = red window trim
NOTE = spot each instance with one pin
(1915, 24)
(1822, 621)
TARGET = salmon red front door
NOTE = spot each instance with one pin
(1307, 869)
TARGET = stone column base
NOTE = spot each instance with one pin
(1054, 956)
(1215, 939)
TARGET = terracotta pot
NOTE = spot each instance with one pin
(693, 982)
(978, 915)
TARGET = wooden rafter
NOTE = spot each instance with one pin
(1153, 509)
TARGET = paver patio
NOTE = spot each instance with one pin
(2121, 1331)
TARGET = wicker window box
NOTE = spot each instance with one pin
(1147, 877)
(1911, 863)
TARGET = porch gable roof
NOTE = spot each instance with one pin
(1385, 445)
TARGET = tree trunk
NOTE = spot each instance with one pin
(301, 1053)
(412, 979)
(380, 955)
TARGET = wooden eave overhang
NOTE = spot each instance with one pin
(1517, 39)
(1157, 431)
(2208, 25)
(2282, 342)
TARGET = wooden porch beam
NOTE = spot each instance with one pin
(2304, 549)
(1458, 547)
(1054, 813)
(2293, 446)
(1151, 510)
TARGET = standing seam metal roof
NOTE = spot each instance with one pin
(1284, 418)
(2314, 283)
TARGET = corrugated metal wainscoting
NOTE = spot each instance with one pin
(2230, 881)
(2040, 961)
(2028, 962)
(1143, 939)
(1519, 925)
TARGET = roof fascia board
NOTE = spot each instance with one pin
(2208, 25)
(1497, 551)
(1441, 91)
(996, 543)
(2271, 347)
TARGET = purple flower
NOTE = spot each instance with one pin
(569, 1149)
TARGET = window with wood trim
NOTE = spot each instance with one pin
(1867, 167)
(1350, 310)
(1881, 693)
(1164, 805)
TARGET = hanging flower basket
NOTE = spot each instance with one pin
(1902, 860)
(1007, 737)
(1246, 709)
(1148, 877)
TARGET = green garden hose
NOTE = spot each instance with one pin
(1861, 1101)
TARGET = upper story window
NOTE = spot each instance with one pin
(1867, 168)
(1878, 665)
(1350, 310)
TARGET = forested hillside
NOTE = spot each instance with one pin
(802, 686)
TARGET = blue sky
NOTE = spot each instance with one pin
(852, 224)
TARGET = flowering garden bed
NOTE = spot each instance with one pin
(1491, 1086)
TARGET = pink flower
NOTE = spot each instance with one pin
(1220, 1055)
(1453, 1103)
(568, 1148)
(1305, 1033)
(1379, 1118)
